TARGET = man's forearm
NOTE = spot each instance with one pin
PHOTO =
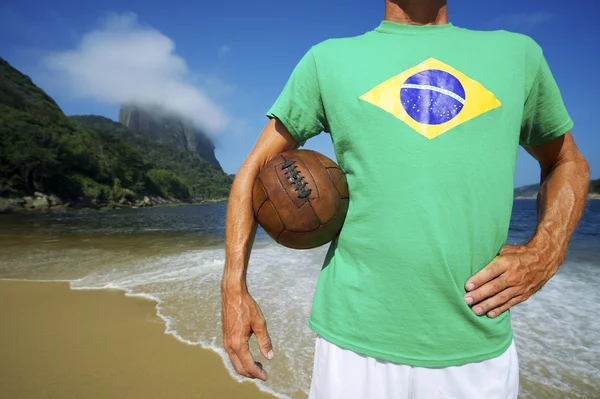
(240, 231)
(519, 271)
(560, 204)
(240, 225)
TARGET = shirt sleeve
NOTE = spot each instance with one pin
(299, 106)
(545, 116)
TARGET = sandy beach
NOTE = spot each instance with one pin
(60, 343)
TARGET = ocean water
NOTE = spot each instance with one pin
(175, 255)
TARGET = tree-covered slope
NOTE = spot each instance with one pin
(595, 186)
(531, 191)
(203, 179)
(42, 150)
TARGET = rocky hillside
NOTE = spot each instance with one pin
(594, 192)
(595, 186)
(203, 179)
(156, 124)
(50, 160)
(531, 191)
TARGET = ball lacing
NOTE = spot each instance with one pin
(296, 179)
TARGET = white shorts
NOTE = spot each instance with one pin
(342, 374)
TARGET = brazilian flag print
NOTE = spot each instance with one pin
(432, 98)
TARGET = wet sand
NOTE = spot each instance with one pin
(60, 343)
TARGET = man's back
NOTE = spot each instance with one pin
(426, 122)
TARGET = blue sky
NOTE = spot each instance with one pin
(231, 59)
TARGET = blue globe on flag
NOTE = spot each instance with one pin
(432, 97)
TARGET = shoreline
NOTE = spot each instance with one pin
(590, 197)
(62, 342)
(20, 210)
(20, 207)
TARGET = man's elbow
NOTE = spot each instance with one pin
(570, 157)
(578, 171)
(581, 165)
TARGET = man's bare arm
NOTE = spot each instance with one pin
(241, 316)
(565, 179)
(520, 271)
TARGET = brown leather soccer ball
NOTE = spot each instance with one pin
(300, 199)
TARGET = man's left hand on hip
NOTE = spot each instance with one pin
(512, 277)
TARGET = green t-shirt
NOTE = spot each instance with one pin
(426, 122)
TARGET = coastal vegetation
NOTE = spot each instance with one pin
(88, 160)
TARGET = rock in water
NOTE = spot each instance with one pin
(40, 203)
(54, 200)
(6, 206)
(28, 203)
(159, 125)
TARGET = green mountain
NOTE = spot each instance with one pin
(203, 179)
(159, 125)
(595, 186)
(531, 191)
(42, 150)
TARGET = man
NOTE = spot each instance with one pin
(426, 119)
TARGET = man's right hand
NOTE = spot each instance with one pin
(241, 315)
(241, 318)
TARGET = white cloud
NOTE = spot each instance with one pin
(521, 21)
(123, 61)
